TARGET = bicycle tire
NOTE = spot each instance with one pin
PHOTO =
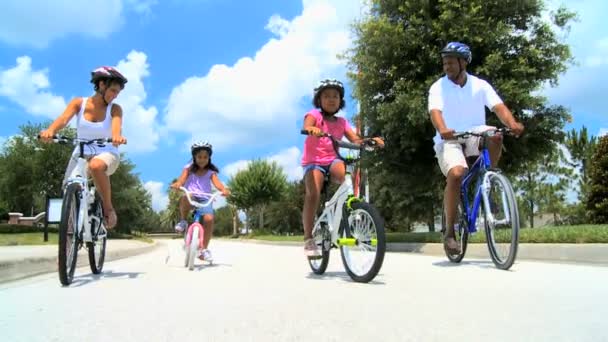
(322, 239)
(193, 247)
(96, 258)
(68, 234)
(360, 214)
(504, 263)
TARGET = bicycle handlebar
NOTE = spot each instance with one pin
(488, 133)
(348, 145)
(189, 194)
(62, 139)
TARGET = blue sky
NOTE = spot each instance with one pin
(236, 73)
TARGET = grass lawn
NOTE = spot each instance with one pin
(23, 239)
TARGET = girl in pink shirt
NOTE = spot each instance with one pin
(319, 157)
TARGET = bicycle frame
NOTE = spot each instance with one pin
(197, 209)
(345, 194)
(79, 175)
(332, 212)
(481, 169)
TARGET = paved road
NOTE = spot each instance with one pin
(267, 293)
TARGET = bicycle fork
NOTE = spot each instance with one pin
(486, 188)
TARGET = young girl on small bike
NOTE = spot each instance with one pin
(197, 177)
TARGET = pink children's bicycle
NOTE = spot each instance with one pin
(193, 236)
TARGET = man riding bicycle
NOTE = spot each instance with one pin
(456, 103)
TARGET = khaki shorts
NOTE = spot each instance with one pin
(110, 159)
(450, 154)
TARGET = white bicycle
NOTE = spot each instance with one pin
(81, 216)
(350, 223)
(194, 235)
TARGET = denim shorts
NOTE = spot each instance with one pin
(323, 168)
(207, 210)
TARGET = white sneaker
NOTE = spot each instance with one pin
(205, 254)
(181, 226)
(311, 249)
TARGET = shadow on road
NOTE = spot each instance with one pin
(339, 275)
(89, 278)
(478, 263)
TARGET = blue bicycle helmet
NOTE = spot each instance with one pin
(457, 49)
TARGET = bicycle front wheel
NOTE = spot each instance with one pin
(97, 248)
(68, 234)
(501, 221)
(193, 247)
(363, 258)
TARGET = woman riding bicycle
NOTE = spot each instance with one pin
(97, 118)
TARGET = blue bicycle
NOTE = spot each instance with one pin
(493, 202)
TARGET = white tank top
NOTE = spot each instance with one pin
(86, 129)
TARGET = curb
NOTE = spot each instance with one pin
(16, 269)
(592, 253)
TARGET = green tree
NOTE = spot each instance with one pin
(132, 202)
(597, 201)
(286, 216)
(581, 146)
(261, 183)
(31, 170)
(396, 59)
(542, 185)
(170, 216)
(224, 221)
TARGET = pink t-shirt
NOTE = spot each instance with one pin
(320, 151)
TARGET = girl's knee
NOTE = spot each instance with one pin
(96, 165)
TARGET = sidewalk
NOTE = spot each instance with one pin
(592, 253)
(18, 262)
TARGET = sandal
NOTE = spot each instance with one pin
(450, 243)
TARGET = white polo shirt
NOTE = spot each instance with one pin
(462, 107)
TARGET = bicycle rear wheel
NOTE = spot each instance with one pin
(68, 234)
(364, 258)
(322, 238)
(501, 221)
(461, 234)
(97, 248)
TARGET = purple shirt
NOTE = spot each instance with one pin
(198, 184)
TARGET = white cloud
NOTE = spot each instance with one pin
(250, 99)
(603, 131)
(37, 23)
(598, 58)
(233, 168)
(142, 6)
(139, 122)
(29, 88)
(278, 25)
(160, 199)
(288, 159)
